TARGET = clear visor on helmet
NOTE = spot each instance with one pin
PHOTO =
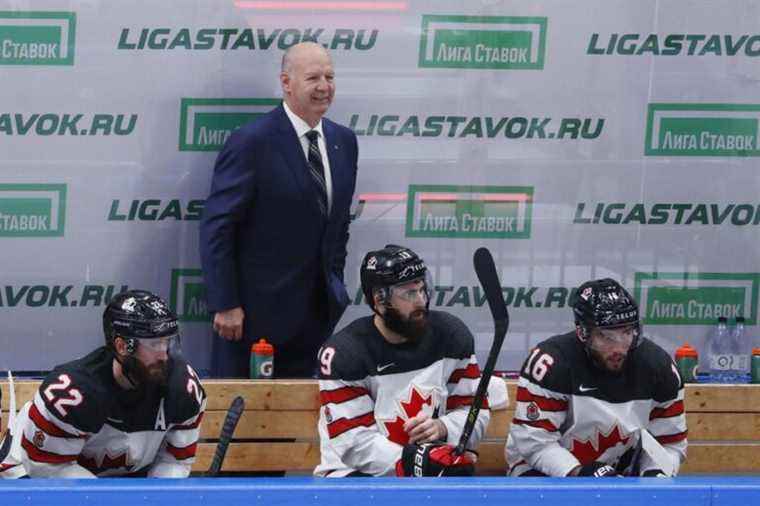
(167, 344)
(621, 336)
(413, 290)
(411, 294)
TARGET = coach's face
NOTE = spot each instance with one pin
(308, 84)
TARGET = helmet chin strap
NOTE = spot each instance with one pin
(584, 335)
(126, 368)
(381, 315)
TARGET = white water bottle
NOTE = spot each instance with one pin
(741, 349)
(719, 358)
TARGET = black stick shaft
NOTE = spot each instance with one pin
(489, 280)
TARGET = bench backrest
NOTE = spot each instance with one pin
(278, 430)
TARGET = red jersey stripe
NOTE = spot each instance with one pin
(672, 438)
(539, 424)
(456, 401)
(48, 427)
(46, 457)
(342, 425)
(472, 371)
(674, 409)
(544, 403)
(343, 394)
(182, 453)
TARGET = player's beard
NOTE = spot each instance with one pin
(614, 364)
(153, 376)
(412, 328)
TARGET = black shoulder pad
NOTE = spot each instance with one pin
(344, 356)
(185, 392)
(550, 363)
(452, 335)
(76, 397)
(660, 366)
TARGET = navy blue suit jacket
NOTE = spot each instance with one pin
(263, 240)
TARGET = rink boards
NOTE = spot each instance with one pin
(685, 491)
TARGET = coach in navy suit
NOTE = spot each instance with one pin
(275, 226)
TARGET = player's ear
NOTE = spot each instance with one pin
(379, 300)
(120, 345)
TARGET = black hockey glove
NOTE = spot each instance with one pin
(654, 473)
(432, 459)
(598, 470)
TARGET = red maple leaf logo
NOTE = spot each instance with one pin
(91, 465)
(410, 409)
(589, 450)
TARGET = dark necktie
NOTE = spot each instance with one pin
(317, 170)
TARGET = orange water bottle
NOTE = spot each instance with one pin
(262, 360)
(755, 366)
(687, 362)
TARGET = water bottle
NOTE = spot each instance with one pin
(755, 366)
(741, 349)
(718, 356)
(262, 360)
(687, 361)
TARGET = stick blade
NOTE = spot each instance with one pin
(234, 413)
(486, 272)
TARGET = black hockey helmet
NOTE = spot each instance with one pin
(392, 265)
(138, 314)
(604, 303)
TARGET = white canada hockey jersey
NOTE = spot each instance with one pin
(82, 423)
(570, 413)
(369, 388)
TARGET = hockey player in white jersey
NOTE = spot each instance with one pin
(9, 468)
(396, 386)
(599, 401)
(130, 408)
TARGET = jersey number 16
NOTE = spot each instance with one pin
(538, 367)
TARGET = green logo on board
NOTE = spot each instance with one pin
(206, 123)
(682, 298)
(487, 212)
(483, 42)
(188, 295)
(32, 210)
(37, 38)
(702, 130)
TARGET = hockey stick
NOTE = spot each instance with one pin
(7, 438)
(228, 428)
(486, 271)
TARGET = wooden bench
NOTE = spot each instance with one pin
(278, 430)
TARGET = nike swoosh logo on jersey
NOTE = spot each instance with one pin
(114, 420)
(586, 389)
(381, 368)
